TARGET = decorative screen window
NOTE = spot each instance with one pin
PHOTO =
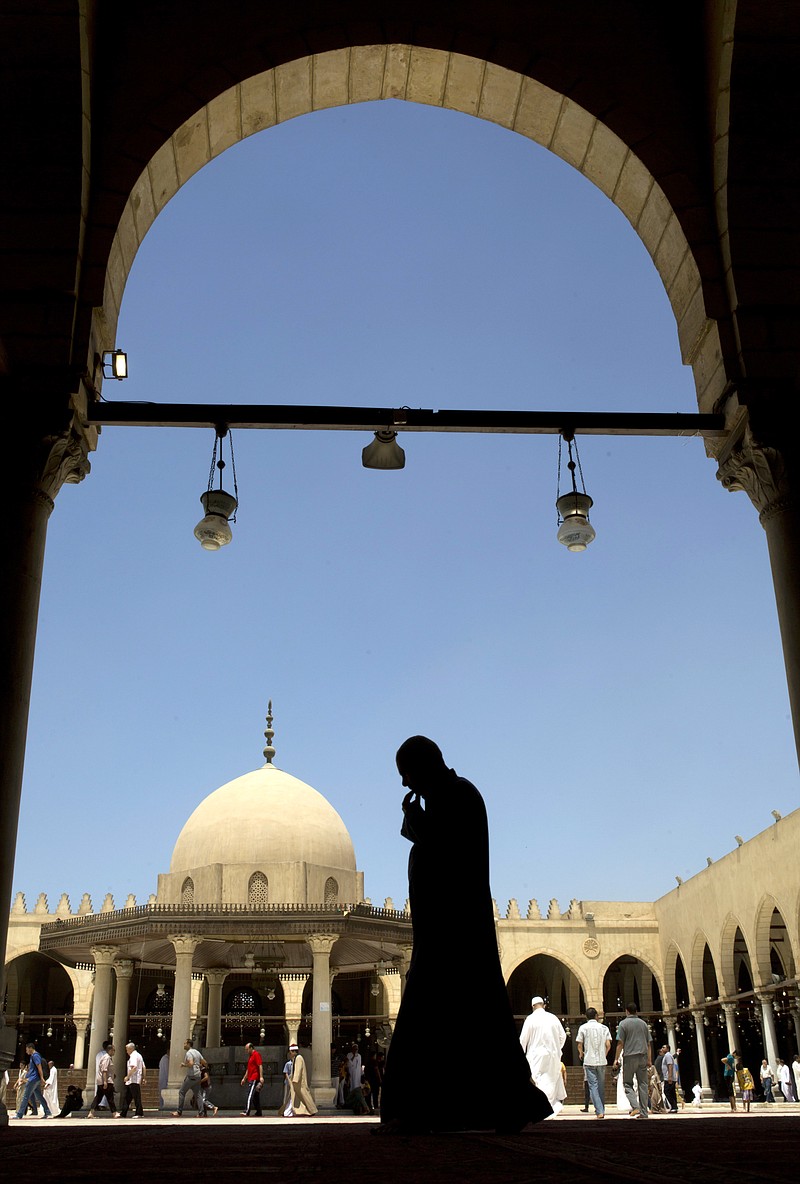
(258, 891)
(187, 891)
(331, 891)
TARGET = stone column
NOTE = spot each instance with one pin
(767, 473)
(702, 1056)
(293, 986)
(730, 1024)
(185, 945)
(796, 1021)
(405, 961)
(770, 1036)
(321, 945)
(101, 1001)
(79, 1055)
(215, 979)
(124, 972)
(42, 464)
(671, 1041)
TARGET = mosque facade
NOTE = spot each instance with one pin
(260, 931)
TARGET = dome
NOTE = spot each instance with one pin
(264, 818)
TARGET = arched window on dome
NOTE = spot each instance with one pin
(331, 891)
(258, 891)
(187, 891)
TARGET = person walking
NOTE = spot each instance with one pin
(104, 1080)
(542, 1039)
(34, 1084)
(594, 1041)
(50, 1088)
(192, 1062)
(444, 817)
(254, 1079)
(302, 1103)
(135, 1078)
(669, 1077)
(785, 1081)
(767, 1077)
(633, 1040)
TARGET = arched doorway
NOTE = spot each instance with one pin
(39, 1005)
(558, 985)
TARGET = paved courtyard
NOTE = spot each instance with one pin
(706, 1147)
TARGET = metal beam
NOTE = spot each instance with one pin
(404, 419)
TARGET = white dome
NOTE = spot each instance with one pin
(262, 818)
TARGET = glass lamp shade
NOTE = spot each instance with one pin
(576, 531)
(384, 452)
(213, 532)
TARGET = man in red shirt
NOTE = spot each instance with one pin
(253, 1079)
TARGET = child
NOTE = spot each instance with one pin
(745, 1079)
(697, 1095)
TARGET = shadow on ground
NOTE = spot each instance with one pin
(745, 1149)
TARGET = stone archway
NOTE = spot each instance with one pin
(437, 78)
(40, 998)
(773, 953)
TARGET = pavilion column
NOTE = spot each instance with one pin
(184, 945)
(79, 1055)
(795, 1013)
(646, 991)
(124, 972)
(767, 473)
(293, 986)
(768, 1024)
(730, 1024)
(321, 945)
(671, 1041)
(405, 961)
(215, 979)
(101, 1000)
(702, 1055)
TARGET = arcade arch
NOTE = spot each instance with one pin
(40, 1003)
(435, 78)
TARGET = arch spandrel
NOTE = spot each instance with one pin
(456, 82)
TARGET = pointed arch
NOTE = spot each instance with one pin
(187, 892)
(439, 78)
(773, 953)
(331, 891)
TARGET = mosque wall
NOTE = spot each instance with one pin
(739, 891)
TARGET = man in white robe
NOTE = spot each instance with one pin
(542, 1039)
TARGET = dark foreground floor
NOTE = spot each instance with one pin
(681, 1149)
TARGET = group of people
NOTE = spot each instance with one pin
(735, 1072)
(359, 1086)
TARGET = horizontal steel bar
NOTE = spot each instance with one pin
(404, 419)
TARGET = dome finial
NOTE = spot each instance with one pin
(269, 751)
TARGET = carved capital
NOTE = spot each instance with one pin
(764, 471)
(216, 977)
(104, 955)
(123, 969)
(185, 943)
(321, 943)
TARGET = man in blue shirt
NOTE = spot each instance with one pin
(34, 1082)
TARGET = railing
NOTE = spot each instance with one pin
(142, 912)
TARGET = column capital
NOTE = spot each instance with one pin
(322, 943)
(123, 968)
(216, 977)
(764, 471)
(185, 943)
(730, 1008)
(104, 955)
(669, 1021)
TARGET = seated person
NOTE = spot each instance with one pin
(358, 1100)
(73, 1101)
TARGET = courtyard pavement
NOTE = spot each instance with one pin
(703, 1146)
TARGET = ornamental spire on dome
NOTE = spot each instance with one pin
(269, 751)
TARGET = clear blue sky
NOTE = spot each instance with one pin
(624, 711)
